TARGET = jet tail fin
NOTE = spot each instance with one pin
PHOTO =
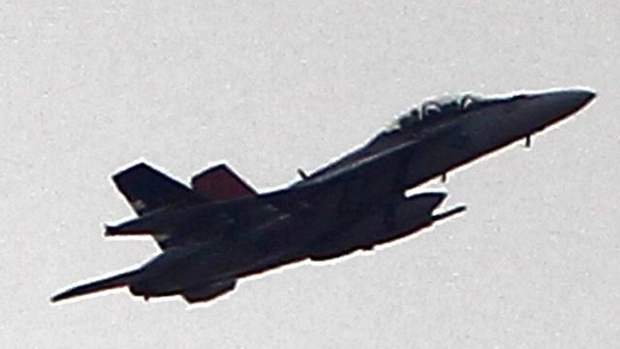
(120, 280)
(221, 183)
(147, 189)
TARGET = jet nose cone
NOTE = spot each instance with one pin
(586, 95)
(575, 99)
(567, 102)
(546, 108)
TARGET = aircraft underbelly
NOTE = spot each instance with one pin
(234, 255)
(375, 227)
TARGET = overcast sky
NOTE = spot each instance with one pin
(87, 88)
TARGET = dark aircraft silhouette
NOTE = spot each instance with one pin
(221, 229)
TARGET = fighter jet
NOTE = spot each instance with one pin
(220, 229)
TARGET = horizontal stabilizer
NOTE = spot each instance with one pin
(148, 189)
(221, 183)
(120, 280)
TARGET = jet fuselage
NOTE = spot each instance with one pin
(356, 202)
(410, 158)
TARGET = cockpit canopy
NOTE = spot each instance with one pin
(434, 110)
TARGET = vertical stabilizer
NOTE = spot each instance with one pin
(147, 189)
(220, 183)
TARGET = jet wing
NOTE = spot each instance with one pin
(116, 281)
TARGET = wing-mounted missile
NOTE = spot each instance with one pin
(181, 226)
(165, 236)
(161, 228)
(146, 225)
(118, 231)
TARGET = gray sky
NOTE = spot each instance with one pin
(88, 87)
